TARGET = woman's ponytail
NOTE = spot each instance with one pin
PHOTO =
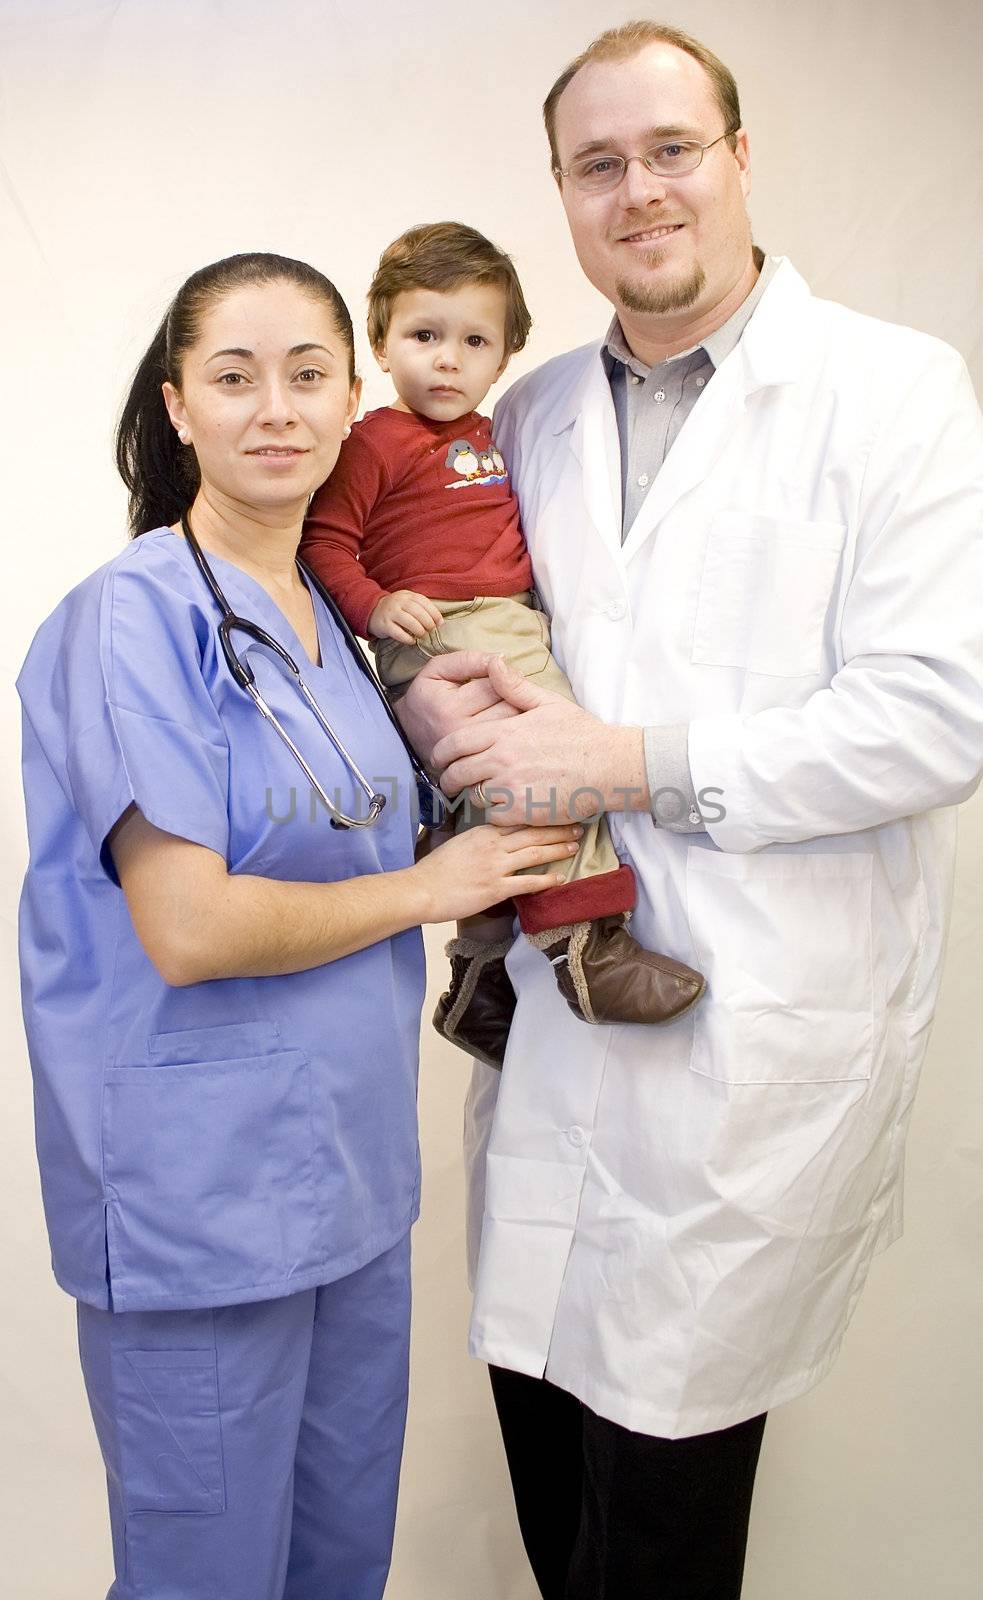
(160, 472)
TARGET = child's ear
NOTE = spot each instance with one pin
(379, 351)
(354, 398)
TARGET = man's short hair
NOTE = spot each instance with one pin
(618, 44)
(444, 256)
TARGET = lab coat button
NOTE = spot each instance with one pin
(616, 610)
(577, 1137)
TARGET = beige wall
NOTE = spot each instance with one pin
(140, 140)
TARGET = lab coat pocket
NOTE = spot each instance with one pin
(785, 943)
(170, 1438)
(765, 592)
(209, 1171)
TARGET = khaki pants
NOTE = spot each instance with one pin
(507, 625)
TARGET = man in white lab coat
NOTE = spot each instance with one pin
(756, 520)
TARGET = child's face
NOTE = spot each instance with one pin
(444, 350)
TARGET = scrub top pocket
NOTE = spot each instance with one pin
(785, 942)
(209, 1176)
(765, 592)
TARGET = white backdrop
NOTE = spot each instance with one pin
(140, 140)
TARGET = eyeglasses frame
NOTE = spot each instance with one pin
(565, 172)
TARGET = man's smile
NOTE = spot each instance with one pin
(651, 235)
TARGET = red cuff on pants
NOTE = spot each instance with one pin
(584, 900)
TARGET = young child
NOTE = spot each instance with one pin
(416, 534)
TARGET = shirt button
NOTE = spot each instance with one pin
(635, 378)
(643, 481)
(616, 610)
(659, 394)
(577, 1137)
(700, 382)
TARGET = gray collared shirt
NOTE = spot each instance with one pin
(651, 404)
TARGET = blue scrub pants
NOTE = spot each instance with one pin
(252, 1452)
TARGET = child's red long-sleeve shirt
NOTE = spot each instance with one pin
(415, 504)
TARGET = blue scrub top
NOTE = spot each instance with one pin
(244, 1138)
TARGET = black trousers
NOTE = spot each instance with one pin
(607, 1514)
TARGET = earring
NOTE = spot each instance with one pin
(184, 435)
(345, 432)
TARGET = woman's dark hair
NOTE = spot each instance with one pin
(160, 472)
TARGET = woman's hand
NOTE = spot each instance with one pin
(404, 615)
(477, 869)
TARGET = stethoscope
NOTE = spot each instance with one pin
(430, 799)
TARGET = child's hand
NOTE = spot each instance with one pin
(405, 616)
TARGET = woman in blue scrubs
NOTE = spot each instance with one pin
(222, 991)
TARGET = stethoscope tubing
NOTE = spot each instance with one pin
(245, 678)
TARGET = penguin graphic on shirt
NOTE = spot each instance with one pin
(476, 467)
(461, 458)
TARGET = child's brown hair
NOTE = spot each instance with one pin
(444, 256)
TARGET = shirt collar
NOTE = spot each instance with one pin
(718, 345)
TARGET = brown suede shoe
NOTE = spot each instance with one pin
(475, 1013)
(605, 976)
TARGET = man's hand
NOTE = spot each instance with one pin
(446, 696)
(533, 765)
(404, 615)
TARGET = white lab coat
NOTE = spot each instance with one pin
(678, 1221)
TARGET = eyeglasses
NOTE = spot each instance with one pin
(595, 173)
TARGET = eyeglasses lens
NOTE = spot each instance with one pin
(596, 173)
